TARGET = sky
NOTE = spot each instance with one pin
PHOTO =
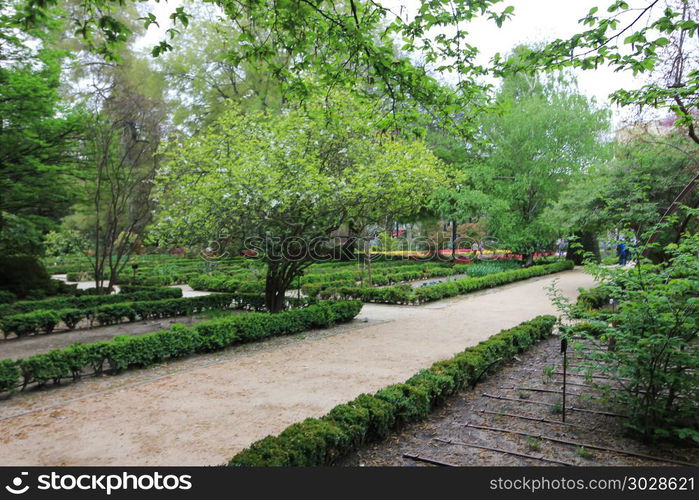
(534, 21)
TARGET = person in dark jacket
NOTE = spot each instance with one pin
(621, 253)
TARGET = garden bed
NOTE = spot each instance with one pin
(442, 438)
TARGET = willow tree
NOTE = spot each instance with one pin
(281, 184)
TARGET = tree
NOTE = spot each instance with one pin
(121, 155)
(206, 74)
(280, 184)
(546, 134)
(327, 44)
(633, 191)
(656, 38)
(38, 157)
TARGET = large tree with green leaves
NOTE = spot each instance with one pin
(633, 191)
(546, 133)
(282, 183)
(38, 157)
(655, 38)
(319, 44)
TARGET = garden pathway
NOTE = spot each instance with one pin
(189, 413)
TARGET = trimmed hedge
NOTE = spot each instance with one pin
(89, 301)
(321, 441)
(404, 294)
(178, 341)
(44, 321)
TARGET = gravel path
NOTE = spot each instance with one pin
(191, 413)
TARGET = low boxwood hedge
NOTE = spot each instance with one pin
(44, 321)
(145, 350)
(404, 294)
(88, 301)
(321, 441)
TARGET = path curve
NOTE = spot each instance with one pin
(205, 415)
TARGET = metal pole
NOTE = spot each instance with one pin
(564, 348)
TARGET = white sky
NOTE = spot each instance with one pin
(533, 21)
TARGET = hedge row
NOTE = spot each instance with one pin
(467, 285)
(45, 321)
(178, 341)
(89, 301)
(404, 294)
(314, 282)
(321, 441)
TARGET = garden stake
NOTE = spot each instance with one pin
(564, 350)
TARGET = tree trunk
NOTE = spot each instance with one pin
(275, 293)
(279, 277)
(348, 251)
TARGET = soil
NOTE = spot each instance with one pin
(440, 438)
(204, 409)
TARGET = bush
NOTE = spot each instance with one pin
(9, 375)
(141, 351)
(652, 337)
(24, 276)
(89, 301)
(30, 323)
(405, 294)
(593, 298)
(7, 297)
(44, 321)
(320, 441)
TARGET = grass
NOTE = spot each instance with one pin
(533, 443)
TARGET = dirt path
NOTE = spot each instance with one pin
(206, 414)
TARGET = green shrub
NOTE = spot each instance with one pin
(89, 301)
(24, 276)
(322, 441)
(405, 294)
(593, 298)
(42, 321)
(9, 375)
(31, 323)
(7, 297)
(652, 337)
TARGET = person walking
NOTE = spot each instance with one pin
(621, 252)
